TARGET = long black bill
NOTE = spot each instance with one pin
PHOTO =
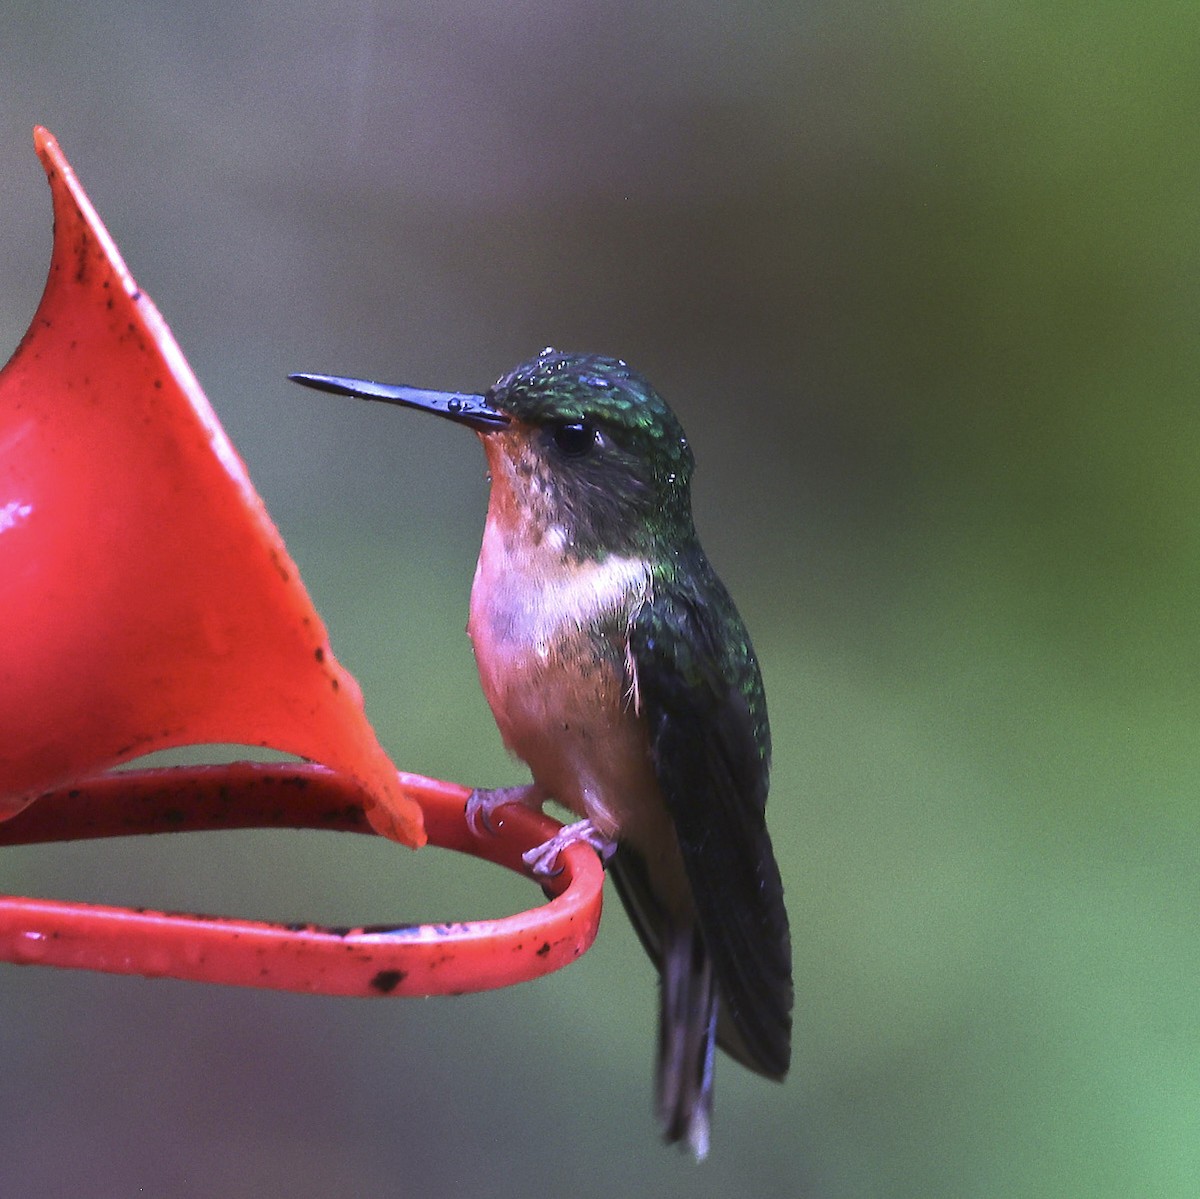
(471, 410)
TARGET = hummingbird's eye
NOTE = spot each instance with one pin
(574, 438)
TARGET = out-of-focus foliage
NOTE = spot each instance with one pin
(921, 282)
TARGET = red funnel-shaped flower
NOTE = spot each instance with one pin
(146, 599)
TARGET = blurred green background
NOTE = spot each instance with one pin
(921, 281)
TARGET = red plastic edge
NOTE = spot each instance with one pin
(427, 959)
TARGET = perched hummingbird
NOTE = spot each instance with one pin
(618, 669)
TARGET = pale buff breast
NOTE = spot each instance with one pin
(550, 634)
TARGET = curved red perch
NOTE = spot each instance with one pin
(428, 959)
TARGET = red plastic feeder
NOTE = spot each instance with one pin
(148, 601)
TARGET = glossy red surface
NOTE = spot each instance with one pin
(390, 959)
(147, 600)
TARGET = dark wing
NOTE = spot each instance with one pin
(698, 687)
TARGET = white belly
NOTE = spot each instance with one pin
(558, 690)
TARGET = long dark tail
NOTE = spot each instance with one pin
(687, 1038)
(688, 1006)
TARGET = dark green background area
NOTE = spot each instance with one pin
(921, 282)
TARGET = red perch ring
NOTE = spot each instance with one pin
(426, 959)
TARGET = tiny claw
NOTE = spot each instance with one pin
(542, 860)
(482, 803)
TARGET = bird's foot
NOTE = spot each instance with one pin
(482, 803)
(542, 860)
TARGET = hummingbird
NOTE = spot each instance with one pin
(618, 669)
